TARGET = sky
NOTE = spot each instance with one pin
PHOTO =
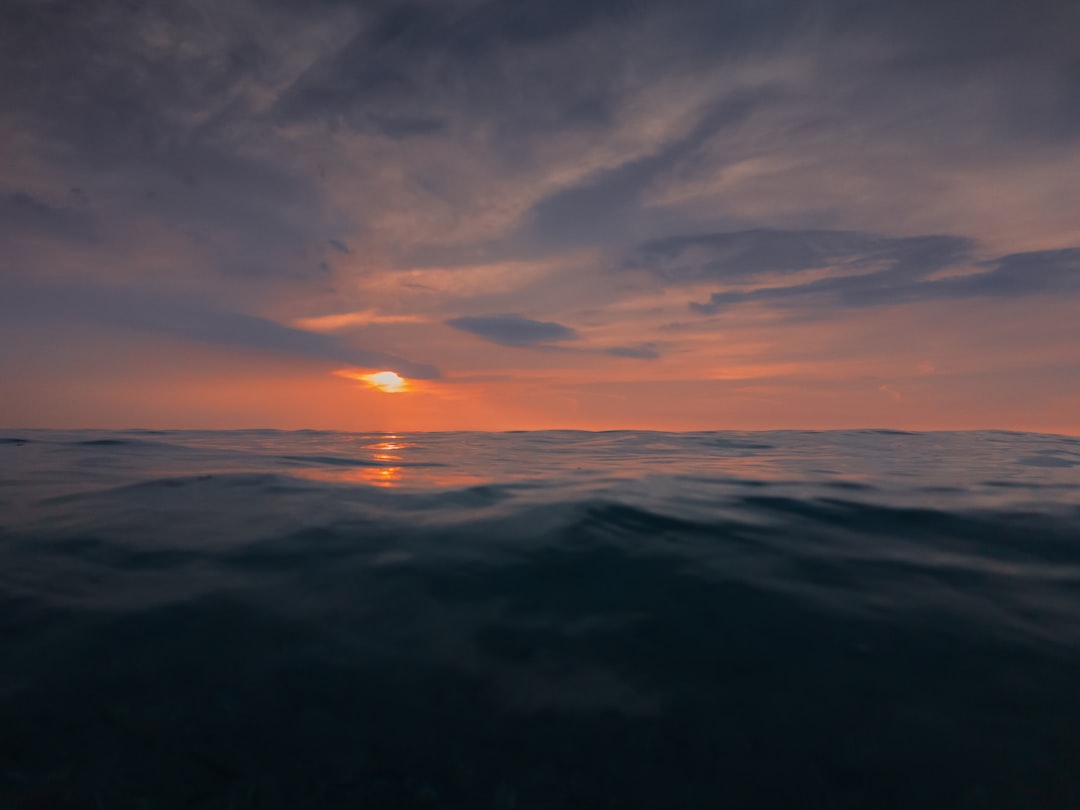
(496, 214)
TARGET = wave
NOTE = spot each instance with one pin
(268, 619)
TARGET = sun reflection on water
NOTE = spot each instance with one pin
(391, 477)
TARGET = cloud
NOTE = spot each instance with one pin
(514, 330)
(610, 204)
(1034, 272)
(879, 271)
(581, 121)
(191, 320)
(21, 213)
(644, 351)
(346, 320)
(339, 246)
(746, 255)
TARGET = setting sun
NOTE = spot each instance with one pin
(387, 381)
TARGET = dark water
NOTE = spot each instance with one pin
(539, 621)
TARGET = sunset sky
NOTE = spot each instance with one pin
(592, 214)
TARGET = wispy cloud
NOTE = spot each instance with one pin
(644, 351)
(747, 255)
(348, 320)
(514, 330)
(1014, 276)
(191, 320)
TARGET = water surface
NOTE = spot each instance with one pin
(261, 619)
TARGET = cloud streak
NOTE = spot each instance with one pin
(746, 255)
(514, 330)
(189, 320)
(850, 269)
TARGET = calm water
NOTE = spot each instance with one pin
(539, 621)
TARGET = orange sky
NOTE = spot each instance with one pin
(632, 221)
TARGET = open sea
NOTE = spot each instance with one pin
(539, 621)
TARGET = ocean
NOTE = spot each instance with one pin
(550, 620)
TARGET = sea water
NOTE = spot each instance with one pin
(539, 621)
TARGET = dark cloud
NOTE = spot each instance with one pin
(471, 30)
(888, 271)
(157, 99)
(417, 69)
(743, 255)
(410, 54)
(643, 351)
(21, 213)
(1040, 271)
(339, 246)
(405, 127)
(514, 330)
(156, 76)
(607, 206)
(169, 85)
(191, 320)
(99, 66)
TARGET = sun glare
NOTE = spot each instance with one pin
(386, 381)
(389, 382)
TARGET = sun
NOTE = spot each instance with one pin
(388, 381)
